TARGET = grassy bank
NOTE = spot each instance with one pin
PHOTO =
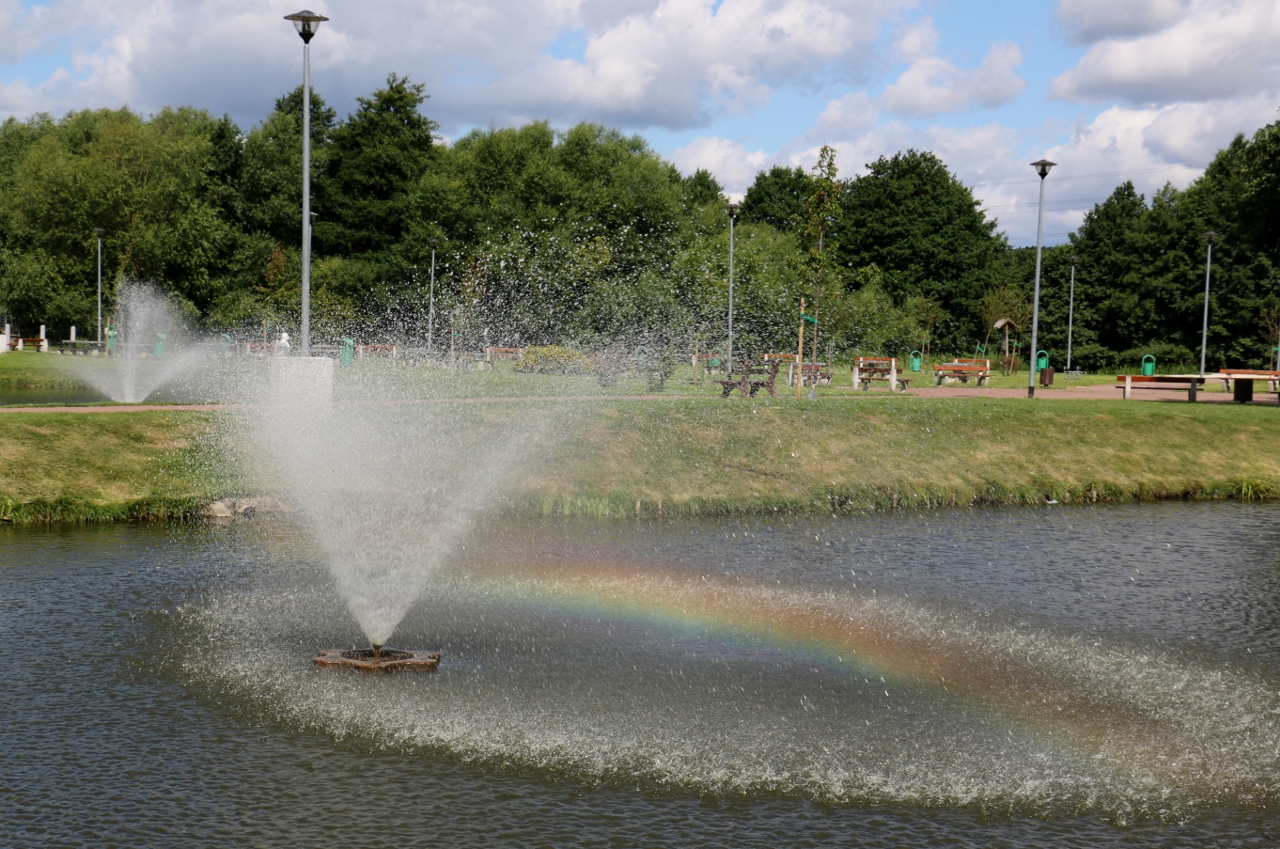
(707, 456)
(105, 468)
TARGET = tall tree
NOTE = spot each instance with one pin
(378, 154)
(777, 197)
(911, 218)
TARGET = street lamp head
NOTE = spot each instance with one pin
(314, 215)
(732, 209)
(306, 23)
(1074, 259)
(434, 243)
(1210, 236)
(99, 231)
(1042, 167)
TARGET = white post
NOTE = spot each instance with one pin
(44, 342)
(4, 340)
(893, 374)
(855, 371)
(1128, 386)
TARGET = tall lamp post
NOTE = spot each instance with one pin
(99, 231)
(1071, 309)
(1042, 168)
(1204, 330)
(431, 300)
(732, 209)
(306, 23)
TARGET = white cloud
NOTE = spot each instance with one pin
(733, 165)
(1216, 50)
(1193, 133)
(915, 40)
(670, 63)
(933, 85)
(1087, 21)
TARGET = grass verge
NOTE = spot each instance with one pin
(704, 456)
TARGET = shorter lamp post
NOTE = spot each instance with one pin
(431, 299)
(1071, 309)
(1204, 329)
(99, 231)
(1042, 168)
(732, 209)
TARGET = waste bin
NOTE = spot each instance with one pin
(347, 355)
(157, 350)
(916, 360)
(1148, 365)
(1241, 390)
(1046, 376)
(1042, 360)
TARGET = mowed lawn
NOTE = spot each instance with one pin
(700, 456)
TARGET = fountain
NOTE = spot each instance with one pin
(140, 357)
(387, 491)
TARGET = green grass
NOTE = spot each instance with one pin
(33, 370)
(705, 455)
(75, 467)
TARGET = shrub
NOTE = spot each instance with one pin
(552, 359)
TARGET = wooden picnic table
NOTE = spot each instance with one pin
(980, 372)
(750, 377)
(868, 369)
(1189, 383)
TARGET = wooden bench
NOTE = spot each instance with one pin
(1239, 382)
(751, 376)
(1189, 383)
(23, 342)
(491, 354)
(868, 369)
(812, 374)
(392, 352)
(963, 370)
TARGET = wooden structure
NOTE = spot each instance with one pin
(869, 369)
(1189, 383)
(963, 369)
(813, 373)
(750, 377)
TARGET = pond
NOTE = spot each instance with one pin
(1050, 677)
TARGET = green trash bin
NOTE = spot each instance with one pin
(157, 350)
(1148, 365)
(347, 355)
(916, 360)
(1042, 360)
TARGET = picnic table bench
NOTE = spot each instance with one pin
(1239, 382)
(811, 374)
(868, 369)
(1189, 383)
(963, 370)
(492, 353)
(750, 377)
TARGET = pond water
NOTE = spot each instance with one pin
(1049, 677)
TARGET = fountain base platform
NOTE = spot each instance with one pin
(375, 662)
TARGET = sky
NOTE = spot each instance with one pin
(1111, 90)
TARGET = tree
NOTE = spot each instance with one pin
(777, 197)
(923, 229)
(378, 154)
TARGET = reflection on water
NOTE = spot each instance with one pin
(1075, 677)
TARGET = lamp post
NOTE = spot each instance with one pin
(732, 209)
(1071, 309)
(99, 231)
(306, 23)
(1042, 168)
(1204, 329)
(431, 300)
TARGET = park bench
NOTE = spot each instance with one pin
(1240, 381)
(392, 352)
(812, 373)
(491, 354)
(868, 369)
(963, 370)
(750, 376)
(24, 342)
(1189, 383)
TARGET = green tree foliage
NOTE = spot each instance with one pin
(777, 197)
(912, 219)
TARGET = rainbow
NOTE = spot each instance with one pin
(1139, 715)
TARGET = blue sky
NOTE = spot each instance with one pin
(1145, 90)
